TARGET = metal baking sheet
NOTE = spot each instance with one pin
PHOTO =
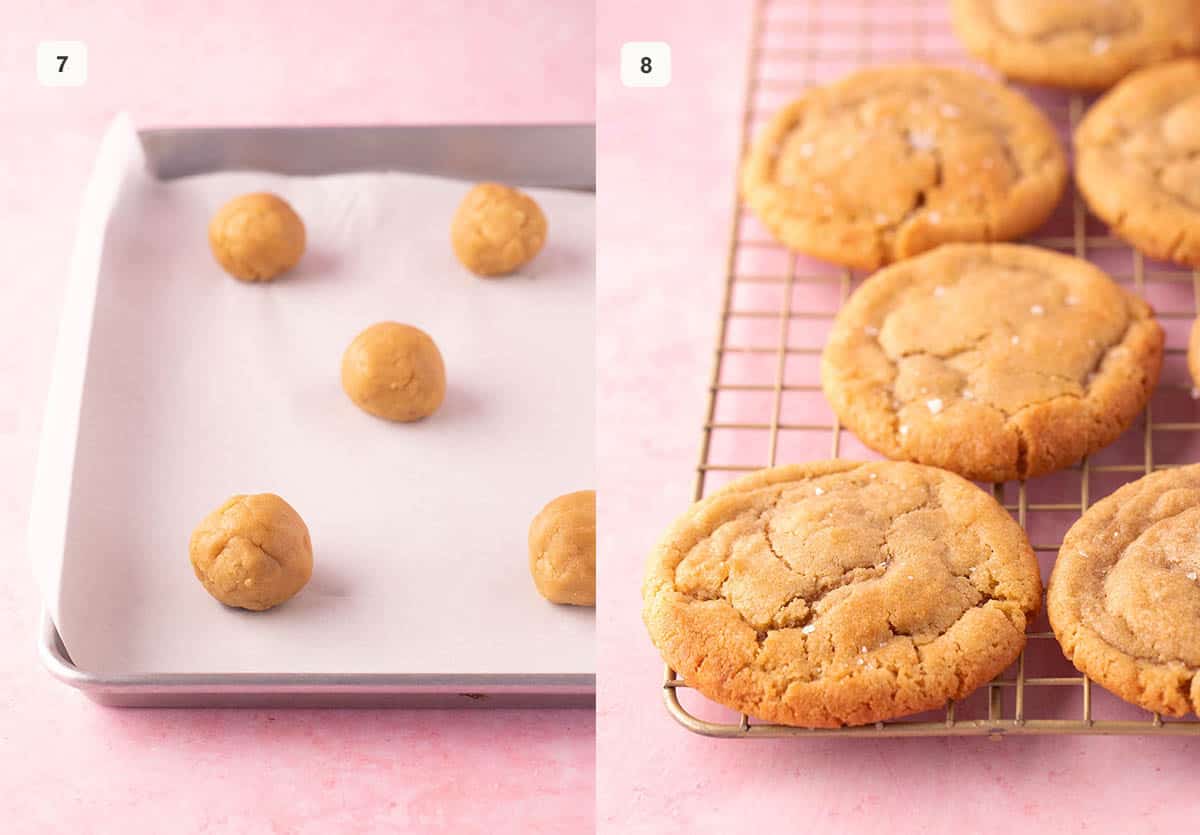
(531, 156)
(547, 156)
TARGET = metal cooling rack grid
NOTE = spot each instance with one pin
(757, 387)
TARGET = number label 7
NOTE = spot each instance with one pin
(62, 63)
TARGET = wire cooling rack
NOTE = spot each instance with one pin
(765, 402)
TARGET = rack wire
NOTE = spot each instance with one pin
(748, 423)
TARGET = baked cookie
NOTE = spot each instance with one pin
(893, 161)
(1124, 598)
(1077, 44)
(1137, 160)
(497, 230)
(995, 361)
(841, 593)
(562, 549)
(256, 237)
(253, 552)
(395, 372)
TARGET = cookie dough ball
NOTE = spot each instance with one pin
(395, 372)
(497, 229)
(562, 549)
(256, 237)
(253, 552)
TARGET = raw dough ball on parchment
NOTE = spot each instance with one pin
(562, 549)
(253, 552)
(394, 371)
(497, 229)
(256, 237)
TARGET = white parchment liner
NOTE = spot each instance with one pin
(196, 386)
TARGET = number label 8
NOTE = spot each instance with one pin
(645, 64)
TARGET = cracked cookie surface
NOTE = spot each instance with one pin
(1137, 161)
(1124, 598)
(841, 593)
(1081, 44)
(893, 161)
(994, 361)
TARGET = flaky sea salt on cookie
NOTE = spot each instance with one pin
(1137, 160)
(841, 593)
(1124, 598)
(995, 361)
(1077, 44)
(893, 161)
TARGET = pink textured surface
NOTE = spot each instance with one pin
(666, 167)
(69, 765)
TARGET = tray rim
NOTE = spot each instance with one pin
(521, 690)
(128, 688)
(162, 147)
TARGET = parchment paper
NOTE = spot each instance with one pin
(199, 386)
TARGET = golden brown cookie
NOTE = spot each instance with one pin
(841, 593)
(256, 237)
(253, 552)
(1077, 44)
(995, 361)
(394, 371)
(1124, 598)
(497, 230)
(1137, 161)
(562, 549)
(893, 161)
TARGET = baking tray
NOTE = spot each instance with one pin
(554, 156)
(766, 406)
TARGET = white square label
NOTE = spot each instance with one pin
(62, 63)
(645, 64)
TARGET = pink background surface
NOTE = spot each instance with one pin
(667, 161)
(69, 765)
